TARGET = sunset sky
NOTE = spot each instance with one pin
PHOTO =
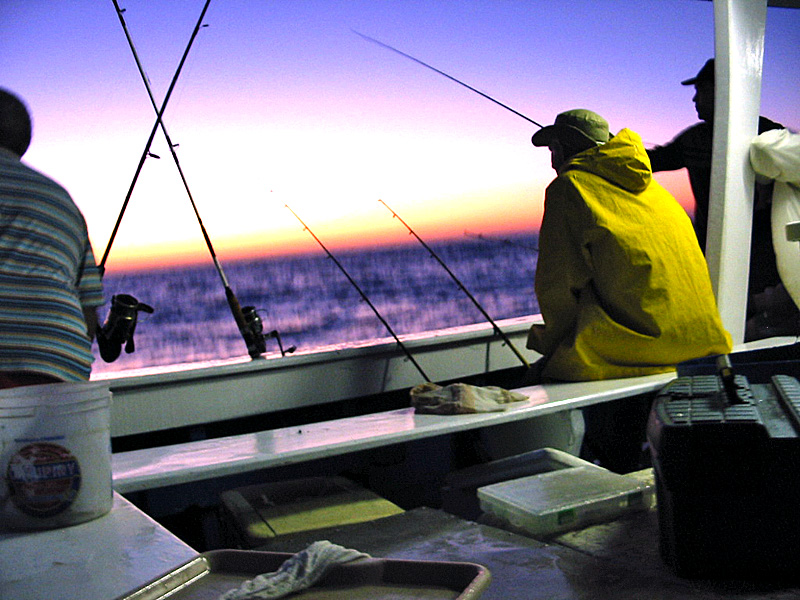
(280, 102)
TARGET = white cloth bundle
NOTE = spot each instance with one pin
(297, 573)
(462, 398)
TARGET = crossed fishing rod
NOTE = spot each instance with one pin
(247, 319)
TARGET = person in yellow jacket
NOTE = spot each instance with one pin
(622, 284)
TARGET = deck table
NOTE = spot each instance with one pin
(102, 559)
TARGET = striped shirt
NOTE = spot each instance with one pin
(47, 276)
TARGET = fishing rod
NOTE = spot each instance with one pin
(450, 77)
(461, 285)
(247, 319)
(159, 113)
(120, 322)
(362, 294)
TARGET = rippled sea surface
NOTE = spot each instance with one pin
(311, 303)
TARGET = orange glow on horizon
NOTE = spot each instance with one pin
(512, 210)
(336, 235)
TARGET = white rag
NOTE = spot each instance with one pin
(462, 398)
(297, 573)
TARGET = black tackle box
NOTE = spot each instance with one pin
(727, 469)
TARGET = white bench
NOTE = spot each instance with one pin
(194, 461)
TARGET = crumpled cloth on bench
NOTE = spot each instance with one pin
(462, 398)
(297, 573)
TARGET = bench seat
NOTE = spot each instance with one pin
(161, 466)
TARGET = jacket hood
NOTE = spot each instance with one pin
(622, 161)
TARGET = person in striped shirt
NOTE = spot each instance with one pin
(50, 286)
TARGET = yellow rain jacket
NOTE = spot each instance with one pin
(623, 287)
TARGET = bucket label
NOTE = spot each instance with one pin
(43, 478)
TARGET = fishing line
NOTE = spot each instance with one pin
(362, 294)
(497, 329)
(450, 77)
(159, 113)
(247, 319)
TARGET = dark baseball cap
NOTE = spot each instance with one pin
(706, 74)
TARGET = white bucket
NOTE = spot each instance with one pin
(55, 455)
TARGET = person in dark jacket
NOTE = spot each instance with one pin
(770, 310)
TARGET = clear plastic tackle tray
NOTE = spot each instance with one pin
(550, 503)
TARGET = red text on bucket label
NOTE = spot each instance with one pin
(43, 478)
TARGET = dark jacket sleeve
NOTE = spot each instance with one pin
(668, 157)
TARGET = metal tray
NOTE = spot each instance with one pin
(214, 573)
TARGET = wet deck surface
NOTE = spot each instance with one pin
(618, 560)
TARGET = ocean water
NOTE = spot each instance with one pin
(310, 302)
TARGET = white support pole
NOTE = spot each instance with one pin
(739, 52)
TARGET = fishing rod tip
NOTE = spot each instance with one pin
(368, 38)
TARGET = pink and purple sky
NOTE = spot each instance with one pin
(279, 102)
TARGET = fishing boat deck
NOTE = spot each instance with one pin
(156, 467)
(141, 559)
(618, 559)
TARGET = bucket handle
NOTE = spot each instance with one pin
(21, 412)
(81, 406)
(30, 410)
